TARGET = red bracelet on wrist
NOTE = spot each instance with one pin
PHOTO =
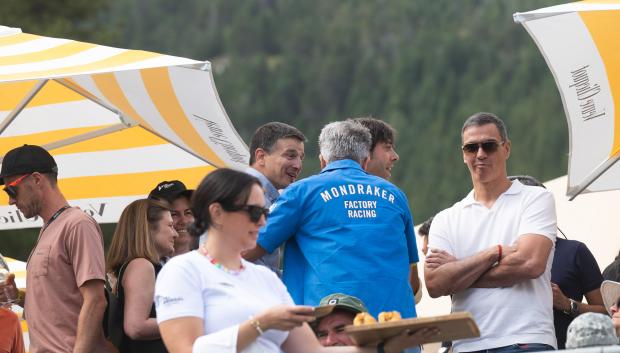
(499, 258)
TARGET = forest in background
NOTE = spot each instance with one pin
(422, 66)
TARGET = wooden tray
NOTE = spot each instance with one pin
(451, 327)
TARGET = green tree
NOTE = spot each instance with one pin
(423, 66)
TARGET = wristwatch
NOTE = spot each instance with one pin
(574, 309)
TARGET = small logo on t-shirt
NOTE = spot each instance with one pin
(161, 300)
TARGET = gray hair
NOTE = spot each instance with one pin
(589, 330)
(345, 140)
(483, 118)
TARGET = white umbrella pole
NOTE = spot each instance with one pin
(596, 173)
(77, 89)
(24, 102)
(85, 136)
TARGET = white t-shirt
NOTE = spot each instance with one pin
(190, 285)
(522, 313)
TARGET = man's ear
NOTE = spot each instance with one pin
(37, 177)
(365, 162)
(259, 157)
(322, 161)
(507, 146)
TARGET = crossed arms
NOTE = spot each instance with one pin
(526, 259)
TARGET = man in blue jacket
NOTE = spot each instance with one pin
(345, 230)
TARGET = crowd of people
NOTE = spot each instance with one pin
(240, 263)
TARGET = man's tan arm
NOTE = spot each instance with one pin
(445, 275)
(594, 298)
(414, 278)
(254, 254)
(595, 302)
(527, 259)
(89, 330)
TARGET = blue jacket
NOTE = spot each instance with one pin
(345, 231)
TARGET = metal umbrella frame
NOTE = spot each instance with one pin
(117, 121)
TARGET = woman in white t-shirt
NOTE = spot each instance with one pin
(211, 300)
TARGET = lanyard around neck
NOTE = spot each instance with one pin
(52, 219)
(54, 216)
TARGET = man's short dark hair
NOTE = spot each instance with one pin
(266, 137)
(379, 130)
(425, 227)
(483, 118)
(52, 177)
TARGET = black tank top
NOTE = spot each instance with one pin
(129, 345)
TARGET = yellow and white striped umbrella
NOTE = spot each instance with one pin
(117, 121)
(580, 44)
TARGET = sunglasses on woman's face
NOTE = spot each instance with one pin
(487, 146)
(11, 188)
(255, 212)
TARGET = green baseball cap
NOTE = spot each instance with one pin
(345, 302)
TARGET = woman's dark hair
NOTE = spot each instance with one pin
(228, 187)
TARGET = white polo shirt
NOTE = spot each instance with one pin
(522, 313)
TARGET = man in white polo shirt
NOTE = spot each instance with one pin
(493, 250)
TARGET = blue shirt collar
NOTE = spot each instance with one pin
(271, 193)
(342, 164)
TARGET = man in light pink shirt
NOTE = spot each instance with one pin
(65, 302)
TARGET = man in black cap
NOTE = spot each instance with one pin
(178, 196)
(65, 302)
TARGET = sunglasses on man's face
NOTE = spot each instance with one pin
(487, 146)
(11, 188)
(255, 212)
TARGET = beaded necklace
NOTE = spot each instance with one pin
(217, 264)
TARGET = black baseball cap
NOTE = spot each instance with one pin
(27, 159)
(170, 191)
